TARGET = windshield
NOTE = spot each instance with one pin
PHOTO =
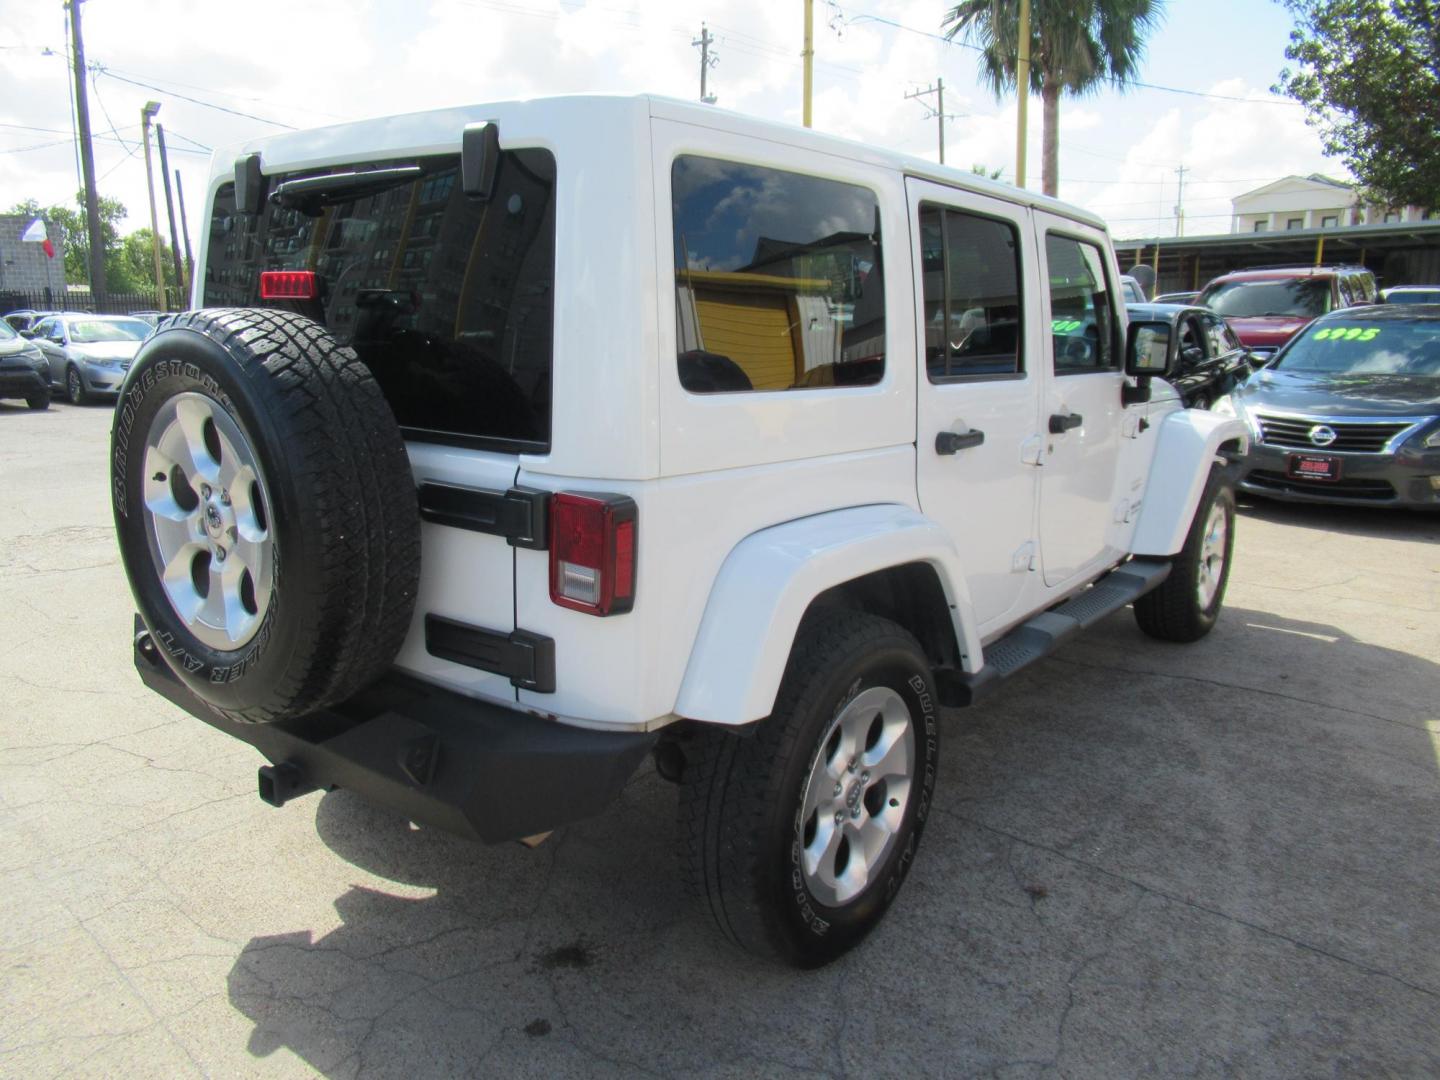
(91, 331)
(6, 333)
(1357, 348)
(1413, 296)
(1303, 297)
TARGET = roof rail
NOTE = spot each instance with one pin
(1301, 266)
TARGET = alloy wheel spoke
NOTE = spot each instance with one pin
(819, 857)
(191, 413)
(159, 495)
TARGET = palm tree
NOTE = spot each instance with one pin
(1075, 46)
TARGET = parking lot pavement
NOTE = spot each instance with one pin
(1144, 860)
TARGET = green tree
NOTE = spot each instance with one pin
(1076, 46)
(132, 267)
(1368, 75)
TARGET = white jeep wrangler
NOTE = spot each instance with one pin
(508, 445)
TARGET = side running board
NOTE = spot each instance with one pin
(1042, 635)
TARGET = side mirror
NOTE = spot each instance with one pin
(1148, 350)
(1191, 355)
(29, 334)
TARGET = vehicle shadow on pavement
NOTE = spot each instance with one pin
(1142, 859)
(1349, 520)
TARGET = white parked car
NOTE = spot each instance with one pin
(509, 445)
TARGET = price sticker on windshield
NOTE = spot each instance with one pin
(1346, 333)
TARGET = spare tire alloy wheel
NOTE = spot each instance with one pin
(266, 512)
(208, 525)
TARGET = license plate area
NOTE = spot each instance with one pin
(1313, 467)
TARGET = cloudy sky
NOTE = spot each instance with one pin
(224, 73)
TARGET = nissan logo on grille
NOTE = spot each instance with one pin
(1321, 435)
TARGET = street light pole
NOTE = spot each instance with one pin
(147, 115)
(1022, 89)
(809, 56)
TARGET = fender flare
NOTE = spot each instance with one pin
(1187, 442)
(769, 580)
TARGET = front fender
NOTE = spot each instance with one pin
(1185, 448)
(769, 580)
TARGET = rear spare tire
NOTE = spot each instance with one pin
(265, 511)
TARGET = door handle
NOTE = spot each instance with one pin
(947, 442)
(1063, 422)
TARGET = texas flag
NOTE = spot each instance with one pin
(35, 234)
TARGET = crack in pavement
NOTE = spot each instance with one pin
(1196, 905)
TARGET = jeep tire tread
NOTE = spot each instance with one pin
(740, 827)
(1175, 611)
(342, 514)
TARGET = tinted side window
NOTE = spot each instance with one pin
(778, 282)
(1082, 319)
(1222, 338)
(448, 301)
(971, 268)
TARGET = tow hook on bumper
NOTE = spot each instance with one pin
(281, 783)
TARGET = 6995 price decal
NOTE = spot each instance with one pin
(1346, 333)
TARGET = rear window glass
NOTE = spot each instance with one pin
(778, 282)
(1305, 297)
(448, 300)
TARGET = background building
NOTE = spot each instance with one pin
(1312, 202)
(25, 270)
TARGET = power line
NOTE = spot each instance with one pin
(194, 101)
(228, 94)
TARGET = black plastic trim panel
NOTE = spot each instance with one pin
(519, 515)
(527, 659)
(474, 768)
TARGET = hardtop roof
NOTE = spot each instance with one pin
(437, 131)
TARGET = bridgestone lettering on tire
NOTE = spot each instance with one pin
(800, 835)
(265, 510)
(1186, 605)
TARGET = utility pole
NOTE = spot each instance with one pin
(147, 114)
(1022, 90)
(87, 163)
(170, 208)
(1180, 202)
(707, 61)
(185, 235)
(809, 57)
(938, 111)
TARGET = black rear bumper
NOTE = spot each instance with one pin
(440, 759)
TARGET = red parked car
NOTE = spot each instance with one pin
(1266, 308)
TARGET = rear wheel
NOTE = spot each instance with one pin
(1186, 605)
(800, 835)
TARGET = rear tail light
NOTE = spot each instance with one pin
(288, 285)
(592, 552)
